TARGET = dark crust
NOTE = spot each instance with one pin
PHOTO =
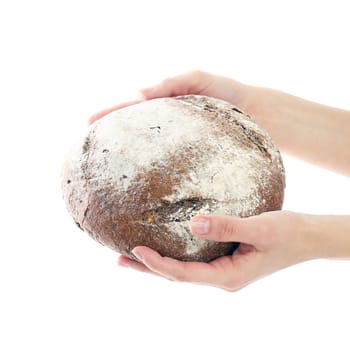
(141, 216)
(226, 121)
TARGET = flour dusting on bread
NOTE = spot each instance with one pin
(169, 159)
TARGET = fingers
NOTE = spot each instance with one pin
(266, 246)
(228, 272)
(251, 230)
(101, 114)
(180, 271)
(124, 261)
(192, 82)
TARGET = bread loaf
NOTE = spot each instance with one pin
(140, 173)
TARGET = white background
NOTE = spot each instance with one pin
(61, 61)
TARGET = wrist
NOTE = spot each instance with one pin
(266, 106)
(328, 237)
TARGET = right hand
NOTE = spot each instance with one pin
(195, 83)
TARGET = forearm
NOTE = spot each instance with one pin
(328, 236)
(304, 129)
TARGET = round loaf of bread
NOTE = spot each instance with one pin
(140, 173)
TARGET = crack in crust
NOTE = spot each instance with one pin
(179, 211)
(153, 209)
(87, 148)
(250, 134)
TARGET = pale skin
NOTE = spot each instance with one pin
(270, 241)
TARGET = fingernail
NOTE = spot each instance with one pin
(200, 226)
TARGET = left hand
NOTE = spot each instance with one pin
(268, 242)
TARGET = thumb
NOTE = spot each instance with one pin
(163, 89)
(228, 228)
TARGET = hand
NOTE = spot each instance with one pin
(269, 242)
(196, 83)
(285, 117)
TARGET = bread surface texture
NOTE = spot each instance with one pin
(139, 174)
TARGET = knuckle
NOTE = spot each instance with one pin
(232, 286)
(234, 282)
(196, 73)
(166, 81)
(264, 230)
(178, 276)
(229, 288)
(227, 230)
(233, 289)
(267, 233)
